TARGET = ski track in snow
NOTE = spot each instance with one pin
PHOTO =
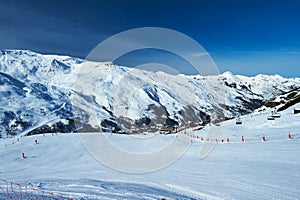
(235, 170)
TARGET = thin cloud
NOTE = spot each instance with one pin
(199, 54)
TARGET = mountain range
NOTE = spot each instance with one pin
(50, 93)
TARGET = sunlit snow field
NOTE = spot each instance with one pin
(235, 170)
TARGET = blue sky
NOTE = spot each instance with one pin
(245, 37)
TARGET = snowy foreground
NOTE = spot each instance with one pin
(235, 170)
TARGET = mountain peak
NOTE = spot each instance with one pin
(230, 77)
(37, 90)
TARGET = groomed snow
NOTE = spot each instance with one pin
(250, 170)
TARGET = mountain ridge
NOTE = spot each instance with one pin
(38, 95)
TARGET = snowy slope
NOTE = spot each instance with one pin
(284, 101)
(235, 170)
(37, 95)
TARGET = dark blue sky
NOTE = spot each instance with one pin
(245, 37)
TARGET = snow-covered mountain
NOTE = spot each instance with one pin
(253, 169)
(283, 101)
(37, 95)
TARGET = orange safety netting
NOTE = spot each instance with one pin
(241, 139)
(14, 191)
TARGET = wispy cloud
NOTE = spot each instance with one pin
(199, 54)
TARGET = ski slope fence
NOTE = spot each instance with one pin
(263, 138)
(14, 191)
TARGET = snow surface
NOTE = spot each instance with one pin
(235, 170)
